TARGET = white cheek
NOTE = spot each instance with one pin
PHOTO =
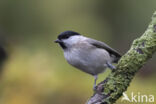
(72, 40)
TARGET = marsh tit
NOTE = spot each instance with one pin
(89, 55)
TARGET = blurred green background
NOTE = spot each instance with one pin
(36, 72)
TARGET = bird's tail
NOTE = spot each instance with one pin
(115, 58)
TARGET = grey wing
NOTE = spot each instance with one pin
(102, 45)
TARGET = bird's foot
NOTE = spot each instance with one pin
(94, 87)
(110, 65)
(95, 79)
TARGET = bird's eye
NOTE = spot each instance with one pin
(66, 37)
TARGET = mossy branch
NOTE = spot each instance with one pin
(142, 49)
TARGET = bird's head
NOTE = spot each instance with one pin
(67, 39)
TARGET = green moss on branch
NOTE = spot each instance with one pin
(142, 49)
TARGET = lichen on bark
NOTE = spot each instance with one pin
(142, 49)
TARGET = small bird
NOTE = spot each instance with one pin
(88, 55)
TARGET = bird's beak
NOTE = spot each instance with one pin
(57, 41)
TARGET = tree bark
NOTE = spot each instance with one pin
(142, 49)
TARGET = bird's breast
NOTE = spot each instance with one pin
(90, 60)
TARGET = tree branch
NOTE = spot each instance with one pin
(142, 49)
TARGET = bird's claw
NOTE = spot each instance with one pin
(110, 65)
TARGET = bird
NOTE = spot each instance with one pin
(86, 54)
